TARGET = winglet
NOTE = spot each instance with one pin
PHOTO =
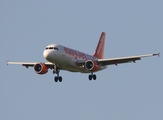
(7, 62)
(99, 52)
(157, 54)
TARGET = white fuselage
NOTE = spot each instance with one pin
(65, 58)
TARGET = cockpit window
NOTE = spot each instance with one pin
(50, 47)
(55, 48)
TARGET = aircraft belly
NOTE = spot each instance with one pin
(70, 66)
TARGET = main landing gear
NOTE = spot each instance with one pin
(59, 78)
(92, 76)
(56, 71)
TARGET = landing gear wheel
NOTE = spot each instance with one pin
(60, 79)
(94, 77)
(56, 79)
(90, 77)
(56, 71)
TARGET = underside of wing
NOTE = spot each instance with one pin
(31, 64)
(116, 61)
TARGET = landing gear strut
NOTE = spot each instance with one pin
(92, 76)
(56, 71)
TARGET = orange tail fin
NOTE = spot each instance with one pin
(99, 53)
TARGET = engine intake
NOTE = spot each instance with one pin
(40, 68)
(92, 66)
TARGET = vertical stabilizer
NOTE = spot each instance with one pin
(99, 53)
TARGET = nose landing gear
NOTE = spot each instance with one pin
(58, 78)
(56, 71)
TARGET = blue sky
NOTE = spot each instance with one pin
(128, 91)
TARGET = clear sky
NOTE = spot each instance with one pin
(123, 92)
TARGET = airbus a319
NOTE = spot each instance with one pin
(63, 58)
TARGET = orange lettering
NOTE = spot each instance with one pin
(66, 50)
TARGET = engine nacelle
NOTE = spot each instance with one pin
(40, 68)
(92, 66)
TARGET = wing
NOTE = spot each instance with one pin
(31, 64)
(116, 61)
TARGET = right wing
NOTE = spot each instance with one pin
(120, 60)
(31, 64)
(116, 61)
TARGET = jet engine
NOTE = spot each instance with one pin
(40, 68)
(92, 66)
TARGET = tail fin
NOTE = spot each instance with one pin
(99, 53)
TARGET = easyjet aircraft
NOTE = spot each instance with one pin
(63, 58)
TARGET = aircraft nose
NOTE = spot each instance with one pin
(46, 54)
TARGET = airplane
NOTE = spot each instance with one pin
(63, 58)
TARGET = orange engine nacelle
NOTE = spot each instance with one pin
(92, 66)
(40, 68)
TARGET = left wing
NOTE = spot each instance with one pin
(116, 61)
(31, 64)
